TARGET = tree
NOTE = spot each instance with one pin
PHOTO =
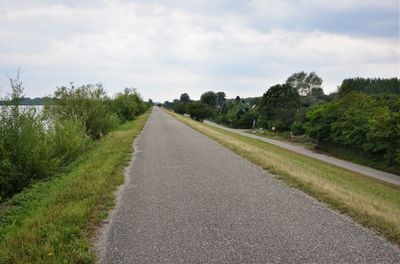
(220, 99)
(128, 104)
(359, 122)
(209, 98)
(200, 111)
(279, 105)
(304, 82)
(179, 107)
(184, 98)
(167, 104)
(370, 86)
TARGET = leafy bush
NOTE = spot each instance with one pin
(221, 119)
(180, 108)
(35, 146)
(246, 120)
(87, 104)
(128, 104)
(298, 128)
(25, 149)
(68, 138)
(359, 121)
(200, 111)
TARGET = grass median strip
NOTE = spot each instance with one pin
(372, 203)
(54, 221)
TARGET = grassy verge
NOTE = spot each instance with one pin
(303, 140)
(53, 221)
(356, 156)
(372, 203)
(333, 150)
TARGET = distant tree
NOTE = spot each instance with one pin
(279, 105)
(184, 98)
(370, 86)
(220, 99)
(237, 109)
(304, 82)
(209, 98)
(200, 111)
(318, 92)
(127, 104)
(167, 104)
(237, 99)
(179, 107)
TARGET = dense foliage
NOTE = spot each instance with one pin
(199, 111)
(361, 118)
(370, 86)
(369, 124)
(36, 145)
(128, 105)
(86, 103)
(279, 106)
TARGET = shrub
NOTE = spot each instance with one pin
(128, 104)
(246, 120)
(180, 108)
(86, 104)
(298, 128)
(359, 122)
(35, 146)
(25, 148)
(200, 111)
(69, 139)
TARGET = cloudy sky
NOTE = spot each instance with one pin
(165, 48)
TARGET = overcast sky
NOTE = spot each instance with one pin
(165, 48)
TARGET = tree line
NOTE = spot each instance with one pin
(36, 145)
(30, 101)
(361, 118)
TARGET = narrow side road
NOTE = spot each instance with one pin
(377, 174)
(187, 199)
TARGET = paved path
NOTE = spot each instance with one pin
(187, 199)
(380, 175)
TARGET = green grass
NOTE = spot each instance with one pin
(302, 140)
(333, 150)
(54, 221)
(370, 202)
(356, 156)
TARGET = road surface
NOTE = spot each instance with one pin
(187, 199)
(377, 174)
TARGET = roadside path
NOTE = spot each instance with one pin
(187, 199)
(377, 174)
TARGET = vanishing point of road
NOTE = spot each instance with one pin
(187, 199)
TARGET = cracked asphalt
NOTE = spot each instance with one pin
(187, 199)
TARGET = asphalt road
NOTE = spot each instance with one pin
(370, 172)
(187, 199)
